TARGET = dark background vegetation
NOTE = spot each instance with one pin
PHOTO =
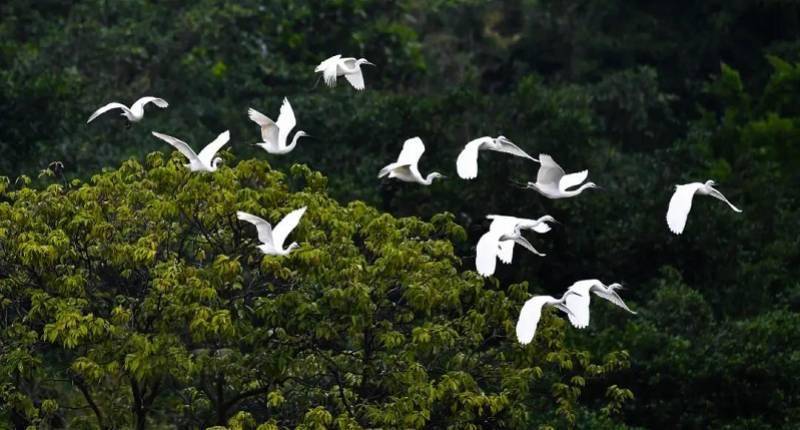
(645, 94)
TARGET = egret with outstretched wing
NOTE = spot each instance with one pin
(135, 113)
(205, 161)
(272, 239)
(681, 202)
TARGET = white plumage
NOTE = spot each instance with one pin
(681, 203)
(135, 113)
(578, 303)
(205, 160)
(406, 167)
(467, 162)
(349, 67)
(531, 313)
(272, 239)
(552, 182)
(276, 134)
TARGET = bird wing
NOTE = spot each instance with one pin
(328, 69)
(612, 297)
(327, 62)
(505, 251)
(412, 151)
(573, 179)
(529, 317)
(578, 305)
(388, 169)
(178, 144)
(502, 223)
(286, 122)
(486, 253)
(269, 130)
(508, 147)
(263, 228)
(140, 104)
(718, 195)
(467, 162)
(356, 79)
(108, 107)
(549, 171)
(396, 169)
(287, 224)
(207, 154)
(679, 206)
(527, 245)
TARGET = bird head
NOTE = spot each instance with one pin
(591, 185)
(293, 246)
(710, 183)
(302, 133)
(502, 139)
(548, 218)
(436, 175)
(216, 162)
(361, 61)
(615, 286)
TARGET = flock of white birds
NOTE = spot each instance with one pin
(504, 232)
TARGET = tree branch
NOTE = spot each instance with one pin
(79, 382)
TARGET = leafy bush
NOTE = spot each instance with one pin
(140, 296)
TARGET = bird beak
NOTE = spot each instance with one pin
(524, 186)
(367, 62)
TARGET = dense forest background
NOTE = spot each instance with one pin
(644, 94)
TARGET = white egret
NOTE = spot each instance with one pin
(275, 133)
(272, 238)
(205, 160)
(505, 250)
(578, 303)
(552, 182)
(467, 162)
(405, 168)
(531, 313)
(349, 67)
(681, 202)
(497, 242)
(135, 113)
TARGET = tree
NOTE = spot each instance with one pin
(137, 299)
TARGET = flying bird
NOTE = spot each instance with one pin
(505, 250)
(405, 168)
(467, 162)
(499, 241)
(531, 313)
(552, 182)
(135, 113)
(681, 202)
(205, 160)
(349, 67)
(275, 134)
(272, 238)
(578, 303)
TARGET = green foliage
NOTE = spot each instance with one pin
(138, 299)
